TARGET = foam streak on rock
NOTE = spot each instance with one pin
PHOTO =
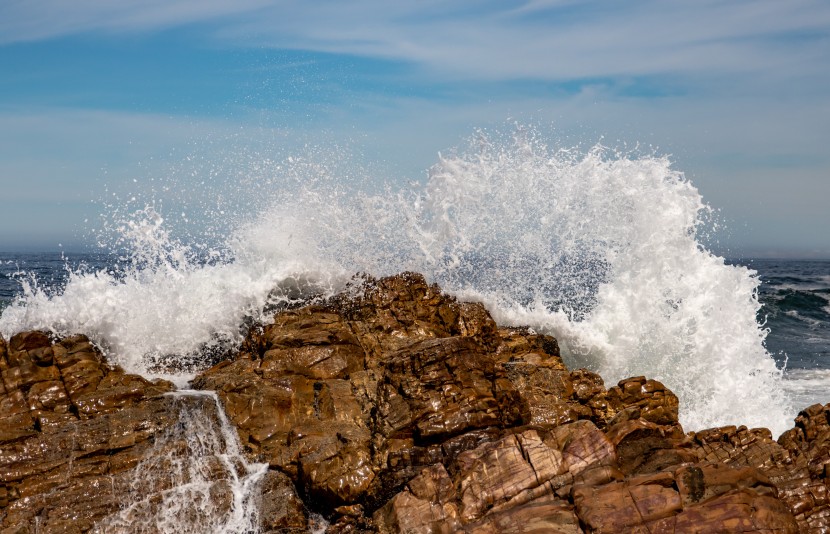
(195, 479)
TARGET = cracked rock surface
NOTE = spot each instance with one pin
(395, 408)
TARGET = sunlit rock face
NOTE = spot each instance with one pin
(390, 407)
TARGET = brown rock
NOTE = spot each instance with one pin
(624, 506)
(21, 344)
(544, 515)
(392, 312)
(810, 438)
(736, 511)
(474, 321)
(654, 401)
(537, 383)
(313, 430)
(583, 446)
(802, 490)
(495, 473)
(589, 391)
(281, 510)
(46, 450)
(407, 513)
(426, 505)
(709, 498)
(395, 408)
(645, 447)
(438, 388)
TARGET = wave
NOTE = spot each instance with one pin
(598, 247)
(805, 306)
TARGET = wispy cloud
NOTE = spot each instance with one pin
(22, 20)
(539, 39)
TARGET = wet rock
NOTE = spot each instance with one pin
(810, 438)
(73, 427)
(426, 505)
(438, 388)
(313, 430)
(351, 398)
(654, 401)
(392, 312)
(492, 487)
(281, 510)
(312, 343)
(535, 383)
(395, 408)
(589, 391)
(699, 498)
(547, 514)
(785, 463)
(645, 447)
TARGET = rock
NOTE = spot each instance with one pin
(785, 463)
(589, 391)
(389, 408)
(810, 438)
(281, 510)
(654, 401)
(368, 386)
(645, 447)
(492, 486)
(494, 473)
(71, 426)
(544, 515)
(536, 382)
(314, 431)
(438, 388)
(699, 498)
(398, 403)
(392, 312)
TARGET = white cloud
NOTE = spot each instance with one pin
(541, 39)
(554, 40)
(23, 20)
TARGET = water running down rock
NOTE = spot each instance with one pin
(391, 407)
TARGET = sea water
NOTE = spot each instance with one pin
(606, 250)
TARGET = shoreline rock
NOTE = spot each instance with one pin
(395, 408)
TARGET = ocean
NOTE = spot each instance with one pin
(795, 295)
(604, 250)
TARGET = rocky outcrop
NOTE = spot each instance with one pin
(394, 408)
(76, 436)
(70, 427)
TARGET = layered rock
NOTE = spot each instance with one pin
(76, 435)
(394, 408)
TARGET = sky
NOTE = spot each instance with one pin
(97, 95)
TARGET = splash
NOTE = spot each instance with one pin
(599, 247)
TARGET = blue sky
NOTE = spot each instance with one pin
(95, 94)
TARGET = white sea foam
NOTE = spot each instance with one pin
(597, 247)
(808, 386)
